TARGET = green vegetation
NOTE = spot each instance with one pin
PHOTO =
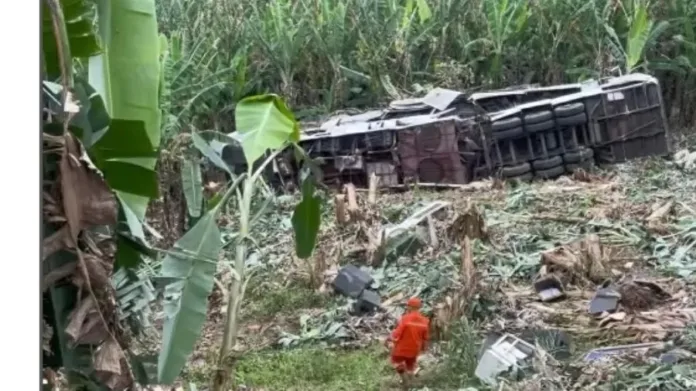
(322, 55)
(613, 205)
(461, 348)
(101, 142)
(273, 300)
(316, 369)
(127, 85)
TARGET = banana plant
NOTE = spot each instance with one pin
(127, 93)
(264, 123)
(642, 35)
(505, 19)
(282, 38)
(94, 144)
(194, 80)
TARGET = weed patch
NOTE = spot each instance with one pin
(460, 358)
(266, 303)
(314, 369)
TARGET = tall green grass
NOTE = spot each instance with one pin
(332, 54)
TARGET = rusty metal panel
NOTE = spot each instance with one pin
(385, 171)
(348, 144)
(350, 162)
(430, 154)
(628, 112)
(480, 131)
(628, 122)
(619, 152)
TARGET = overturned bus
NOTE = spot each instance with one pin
(449, 137)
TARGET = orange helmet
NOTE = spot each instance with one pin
(414, 302)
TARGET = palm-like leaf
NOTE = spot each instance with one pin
(134, 294)
(82, 38)
(191, 265)
(638, 36)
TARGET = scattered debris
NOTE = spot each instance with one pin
(549, 288)
(601, 353)
(676, 355)
(586, 230)
(490, 339)
(579, 262)
(660, 211)
(468, 223)
(456, 304)
(641, 295)
(553, 341)
(351, 281)
(605, 300)
(368, 301)
(685, 159)
(655, 222)
(655, 325)
(505, 354)
(413, 220)
(354, 283)
(405, 235)
(469, 187)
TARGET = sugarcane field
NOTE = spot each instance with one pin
(348, 195)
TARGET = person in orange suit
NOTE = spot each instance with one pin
(409, 339)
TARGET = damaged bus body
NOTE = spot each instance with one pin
(448, 137)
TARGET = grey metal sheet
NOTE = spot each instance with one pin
(376, 126)
(441, 98)
(588, 91)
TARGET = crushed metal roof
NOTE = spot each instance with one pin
(350, 128)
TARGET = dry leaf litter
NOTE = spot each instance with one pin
(479, 253)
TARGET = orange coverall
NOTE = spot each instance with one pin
(410, 337)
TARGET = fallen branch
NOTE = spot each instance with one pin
(555, 189)
(56, 242)
(473, 186)
(561, 219)
(57, 275)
